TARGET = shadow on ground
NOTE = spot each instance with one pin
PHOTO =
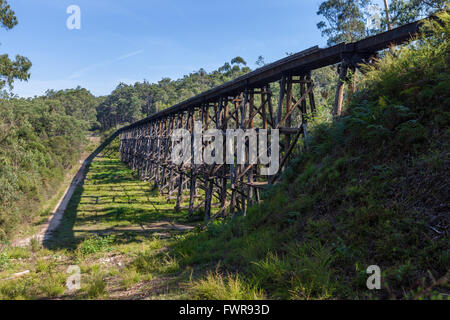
(110, 200)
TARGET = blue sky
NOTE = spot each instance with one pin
(132, 40)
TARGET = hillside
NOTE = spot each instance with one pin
(41, 140)
(372, 189)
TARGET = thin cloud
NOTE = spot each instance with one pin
(131, 54)
(81, 72)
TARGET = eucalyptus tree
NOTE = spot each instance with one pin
(11, 70)
(344, 20)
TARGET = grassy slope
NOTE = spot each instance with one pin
(112, 220)
(372, 189)
(48, 203)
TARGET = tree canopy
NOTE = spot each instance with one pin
(405, 11)
(11, 70)
(345, 20)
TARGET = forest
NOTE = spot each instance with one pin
(392, 135)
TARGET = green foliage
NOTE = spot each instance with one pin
(45, 279)
(16, 290)
(53, 286)
(112, 149)
(324, 90)
(35, 244)
(39, 138)
(405, 11)
(96, 244)
(38, 142)
(78, 103)
(160, 263)
(230, 287)
(95, 286)
(124, 105)
(129, 277)
(11, 69)
(8, 18)
(18, 253)
(344, 20)
(3, 261)
(313, 277)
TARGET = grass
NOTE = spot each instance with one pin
(116, 228)
(130, 277)
(219, 287)
(96, 286)
(96, 244)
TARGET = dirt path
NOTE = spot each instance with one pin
(47, 229)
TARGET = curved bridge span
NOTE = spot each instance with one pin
(246, 103)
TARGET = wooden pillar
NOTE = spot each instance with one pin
(207, 180)
(338, 100)
(304, 108)
(312, 102)
(180, 192)
(280, 100)
(352, 84)
(223, 124)
(208, 199)
(287, 138)
(193, 176)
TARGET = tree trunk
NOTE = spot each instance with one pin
(338, 100)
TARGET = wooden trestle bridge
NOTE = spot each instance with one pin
(246, 102)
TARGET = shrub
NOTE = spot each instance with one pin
(96, 244)
(218, 287)
(96, 286)
(3, 261)
(129, 277)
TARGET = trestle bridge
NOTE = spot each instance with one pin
(247, 102)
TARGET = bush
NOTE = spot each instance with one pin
(39, 139)
(231, 287)
(96, 286)
(96, 244)
(3, 261)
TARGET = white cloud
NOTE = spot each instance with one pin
(79, 73)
